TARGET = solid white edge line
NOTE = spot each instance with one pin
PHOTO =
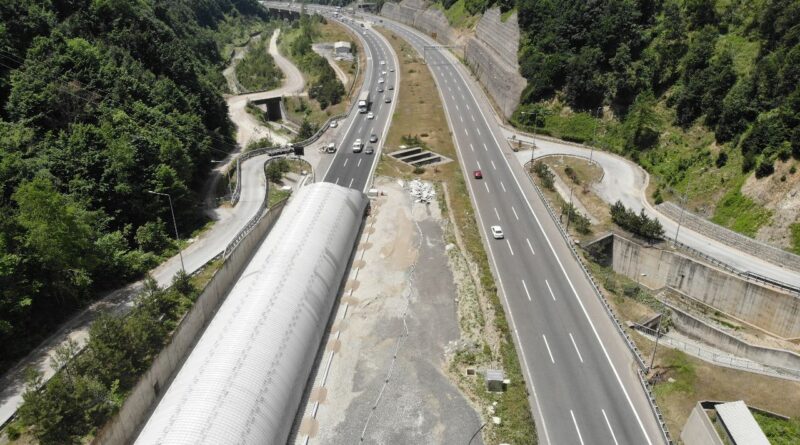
(564, 271)
(575, 422)
(526, 290)
(353, 112)
(388, 120)
(491, 254)
(613, 436)
(576, 347)
(548, 349)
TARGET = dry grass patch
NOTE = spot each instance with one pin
(694, 379)
(485, 337)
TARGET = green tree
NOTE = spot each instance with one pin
(152, 236)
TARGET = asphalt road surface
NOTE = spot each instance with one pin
(581, 375)
(350, 169)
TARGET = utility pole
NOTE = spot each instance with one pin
(570, 208)
(655, 348)
(594, 136)
(174, 223)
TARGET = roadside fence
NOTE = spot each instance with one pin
(643, 367)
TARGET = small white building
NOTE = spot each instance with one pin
(341, 48)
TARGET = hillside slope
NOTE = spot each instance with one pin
(705, 94)
(102, 102)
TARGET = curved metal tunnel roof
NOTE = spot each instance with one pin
(243, 381)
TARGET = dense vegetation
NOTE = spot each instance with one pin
(92, 385)
(324, 86)
(732, 66)
(257, 70)
(637, 223)
(102, 101)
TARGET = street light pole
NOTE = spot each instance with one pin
(227, 179)
(594, 136)
(655, 348)
(570, 209)
(174, 224)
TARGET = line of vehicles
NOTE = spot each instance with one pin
(363, 103)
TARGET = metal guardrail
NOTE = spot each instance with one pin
(276, 151)
(745, 275)
(722, 359)
(620, 329)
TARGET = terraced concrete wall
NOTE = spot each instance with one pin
(765, 307)
(731, 238)
(434, 23)
(491, 53)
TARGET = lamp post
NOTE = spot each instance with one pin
(570, 209)
(655, 348)
(594, 136)
(174, 224)
(230, 190)
(533, 144)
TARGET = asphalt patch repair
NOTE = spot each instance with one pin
(387, 382)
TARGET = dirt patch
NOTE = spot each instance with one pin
(780, 193)
(387, 381)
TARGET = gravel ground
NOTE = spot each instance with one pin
(402, 305)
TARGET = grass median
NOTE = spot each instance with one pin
(486, 339)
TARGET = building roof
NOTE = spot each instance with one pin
(243, 381)
(740, 424)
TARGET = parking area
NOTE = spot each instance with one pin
(384, 367)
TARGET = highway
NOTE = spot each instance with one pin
(581, 373)
(582, 378)
(579, 368)
(354, 170)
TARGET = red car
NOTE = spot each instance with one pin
(477, 174)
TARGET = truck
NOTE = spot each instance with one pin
(363, 101)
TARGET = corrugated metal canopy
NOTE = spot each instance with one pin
(243, 381)
(740, 423)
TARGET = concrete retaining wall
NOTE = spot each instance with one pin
(491, 53)
(433, 22)
(699, 430)
(766, 307)
(695, 328)
(124, 427)
(731, 238)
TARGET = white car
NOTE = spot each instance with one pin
(497, 232)
(391, 70)
(370, 115)
(357, 146)
(383, 73)
(383, 62)
(334, 124)
(381, 80)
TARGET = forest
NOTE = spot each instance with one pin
(731, 66)
(102, 102)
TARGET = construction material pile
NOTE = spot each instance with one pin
(422, 191)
